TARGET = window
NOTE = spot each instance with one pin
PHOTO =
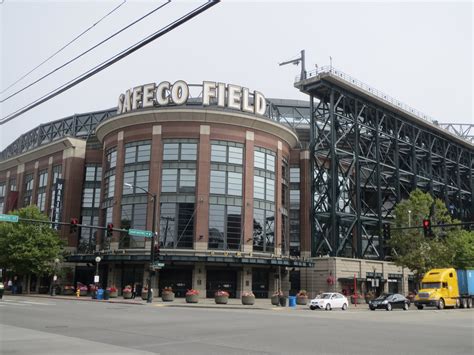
(263, 230)
(93, 173)
(13, 184)
(226, 182)
(138, 179)
(177, 225)
(43, 178)
(185, 179)
(109, 187)
(264, 188)
(29, 181)
(2, 189)
(133, 216)
(180, 151)
(225, 227)
(88, 236)
(294, 175)
(111, 158)
(264, 159)
(226, 152)
(137, 152)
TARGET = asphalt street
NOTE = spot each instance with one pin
(49, 326)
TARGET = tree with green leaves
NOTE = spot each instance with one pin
(448, 247)
(27, 247)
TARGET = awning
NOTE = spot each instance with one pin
(231, 260)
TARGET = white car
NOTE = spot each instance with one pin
(328, 301)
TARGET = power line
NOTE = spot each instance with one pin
(64, 47)
(87, 51)
(111, 60)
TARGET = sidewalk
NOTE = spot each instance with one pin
(234, 303)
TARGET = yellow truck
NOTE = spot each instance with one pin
(440, 288)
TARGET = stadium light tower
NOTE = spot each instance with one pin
(296, 62)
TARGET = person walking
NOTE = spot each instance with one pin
(134, 290)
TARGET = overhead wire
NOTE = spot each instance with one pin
(183, 19)
(63, 47)
(87, 51)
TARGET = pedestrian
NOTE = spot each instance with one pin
(134, 290)
(9, 285)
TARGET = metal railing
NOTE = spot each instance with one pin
(381, 95)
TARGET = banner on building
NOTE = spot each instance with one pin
(57, 205)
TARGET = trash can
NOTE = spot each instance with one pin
(292, 301)
(106, 294)
(282, 301)
(100, 294)
(2, 289)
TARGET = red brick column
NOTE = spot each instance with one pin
(154, 186)
(117, 211)
(248, 193)
(278, 182)
(201, 237)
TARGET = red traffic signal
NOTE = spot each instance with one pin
(110, 229)
(427, 227)
(73, 225)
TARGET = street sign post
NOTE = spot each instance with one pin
(140, 233)
(8, 218)
(158, 265)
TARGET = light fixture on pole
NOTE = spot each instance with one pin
(296, 62)
(150, 280)
(409, 218)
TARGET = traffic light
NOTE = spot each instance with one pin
(73, 225)
(386, 231)
(110, 229)
(157, 250)
(427, 228)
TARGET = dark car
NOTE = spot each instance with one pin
(390, 301)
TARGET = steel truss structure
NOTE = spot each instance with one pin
(366, 157)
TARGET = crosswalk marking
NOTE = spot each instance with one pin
(7, 302)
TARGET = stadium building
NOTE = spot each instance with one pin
(251, 193)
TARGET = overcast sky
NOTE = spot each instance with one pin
(419, 53)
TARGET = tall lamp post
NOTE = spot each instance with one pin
(55, 277)
(150, 280)
(96, 279)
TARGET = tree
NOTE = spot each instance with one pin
(448, 247)
(29, 248)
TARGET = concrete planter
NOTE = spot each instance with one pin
(275, 300)
(248, 300)
(192, 298)
(83, 292)
(221, 299)
(302, 301)
(167, 296)
(113, 294)
(127, 295)
(144, 294)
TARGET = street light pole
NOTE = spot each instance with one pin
(96, 280)
(149, 297)
(55, 277)
(150, 280)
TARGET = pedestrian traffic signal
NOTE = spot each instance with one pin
(110, 229)
(73, 225)
(386, 231)
(427, 228)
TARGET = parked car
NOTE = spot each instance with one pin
(390, 301)
(328, 301)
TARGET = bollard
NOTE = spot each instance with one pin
(78, 293)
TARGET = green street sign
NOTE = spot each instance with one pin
(140, 233)
(8, 218)
(159, 264)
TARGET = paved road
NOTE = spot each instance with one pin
(48, 326)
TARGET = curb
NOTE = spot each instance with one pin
(84, 299)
